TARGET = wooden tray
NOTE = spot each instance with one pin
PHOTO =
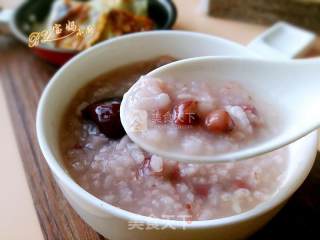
(24, 77)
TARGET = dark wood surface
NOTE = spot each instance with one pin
(302, 13)
(23, 77)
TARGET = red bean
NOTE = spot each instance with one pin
(219, 121)
(241, 184)
(202, 190)
(172, 173)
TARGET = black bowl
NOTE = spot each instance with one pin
(162, 12)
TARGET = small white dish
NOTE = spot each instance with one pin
(283, 41)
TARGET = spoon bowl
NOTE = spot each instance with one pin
(289, 90)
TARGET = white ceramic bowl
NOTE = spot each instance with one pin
(113, 222)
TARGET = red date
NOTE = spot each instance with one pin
(106, 115)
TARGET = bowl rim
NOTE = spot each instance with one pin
(108, 209)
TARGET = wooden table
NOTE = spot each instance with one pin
(23, 76)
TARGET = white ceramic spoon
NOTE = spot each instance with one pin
(291, 87)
